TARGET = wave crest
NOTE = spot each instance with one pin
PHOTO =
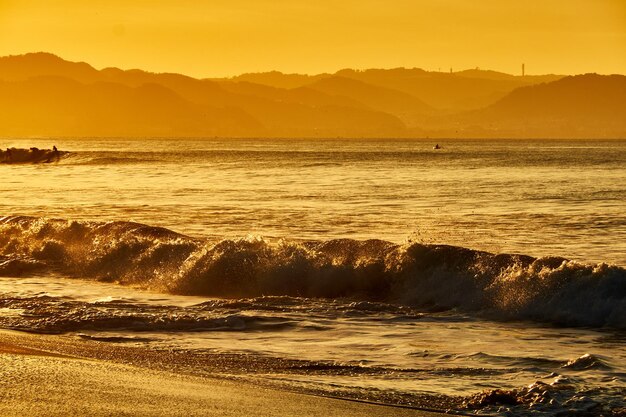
(431, 277)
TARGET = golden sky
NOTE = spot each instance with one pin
(228, 37)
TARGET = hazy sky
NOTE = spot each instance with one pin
(227, 37)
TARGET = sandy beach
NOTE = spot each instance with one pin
(37, 382)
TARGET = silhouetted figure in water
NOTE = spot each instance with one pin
(55, 153)
(8, 157)
(437, 146)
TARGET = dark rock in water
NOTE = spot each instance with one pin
(493, 397)
(30, 156)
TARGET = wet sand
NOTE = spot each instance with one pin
(41, 382)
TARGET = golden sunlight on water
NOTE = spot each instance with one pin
(376, 231)
(542, 198)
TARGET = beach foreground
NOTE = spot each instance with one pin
(38, 382)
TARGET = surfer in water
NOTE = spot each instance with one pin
(437, 146)
(55, 153)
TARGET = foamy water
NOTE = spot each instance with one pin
(379, 268)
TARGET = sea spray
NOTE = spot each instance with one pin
(435, 277)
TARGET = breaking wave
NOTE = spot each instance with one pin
(31, 156)
(428, 277)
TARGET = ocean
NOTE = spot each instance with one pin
(487, 276)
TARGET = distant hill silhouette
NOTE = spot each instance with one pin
(402, 105)
(451, 91)
(464, 90)
(278, 79)
(23, 67)
(589, 105)
(301, 95)
(56, 106)
(44, 95)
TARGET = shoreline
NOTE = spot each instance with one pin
(37, 379)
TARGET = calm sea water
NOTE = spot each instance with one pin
(289, 215)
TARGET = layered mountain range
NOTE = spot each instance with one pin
(44, 95)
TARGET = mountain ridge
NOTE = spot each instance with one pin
(43, 94)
